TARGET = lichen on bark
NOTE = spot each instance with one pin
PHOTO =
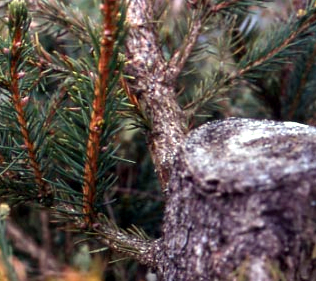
(242, 196)
(154, 87)
(239, 193)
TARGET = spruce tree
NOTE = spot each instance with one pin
(239, 193)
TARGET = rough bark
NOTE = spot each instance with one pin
(154, 87)
(240, 193)
(241, 204)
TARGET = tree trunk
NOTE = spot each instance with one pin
(242, 204)
(241, 194)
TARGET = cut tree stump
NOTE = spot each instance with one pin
(242, 204)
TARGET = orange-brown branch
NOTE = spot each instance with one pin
(109, 11)
(18, 104)
(221, 6)
(131, 97)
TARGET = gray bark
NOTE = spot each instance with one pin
(241, 204)
(240, 193)
(154, 87)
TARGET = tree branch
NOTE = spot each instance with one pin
(19, 22)
(153, 87)
(109, 11)
(181, 55)
(138, 248)
(27, 245)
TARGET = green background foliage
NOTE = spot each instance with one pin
(240, 67)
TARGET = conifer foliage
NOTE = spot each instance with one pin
(60, 143)
(68, 83)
